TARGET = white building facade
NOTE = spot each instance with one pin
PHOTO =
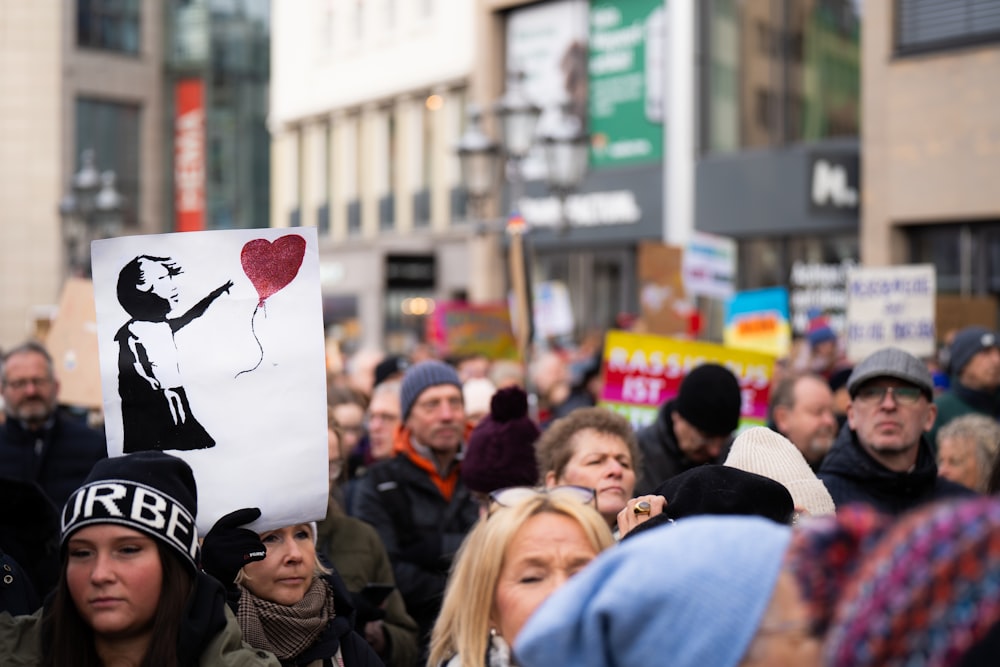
(368, 101)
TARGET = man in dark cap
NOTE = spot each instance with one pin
(974, 364)
(416, 500)
(692, 429)
(882, 456)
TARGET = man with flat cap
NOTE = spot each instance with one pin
(882, 455)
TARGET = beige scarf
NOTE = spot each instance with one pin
(285, 631)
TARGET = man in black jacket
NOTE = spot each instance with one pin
(882, 456)
(416, 501)
(692, 429)
(37, 443)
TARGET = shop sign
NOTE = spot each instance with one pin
(834, 182)
(589, 209)
(627, 81)
(189, 155)
(409, 271)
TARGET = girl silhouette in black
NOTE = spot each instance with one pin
(156, 413)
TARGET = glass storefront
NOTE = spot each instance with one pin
(111, 129)
(766, 262)
(779, 71)
(966, 256)
(226, 46)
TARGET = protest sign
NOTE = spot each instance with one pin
(954, 312)
(709, 266)
(211, 349)
(641, 372)
(891, 306)
(457, 328)
(72, 342)
(665, 311)
(553, 311)
(757, 320)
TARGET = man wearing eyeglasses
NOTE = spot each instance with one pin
(882, 455)
(37, 444)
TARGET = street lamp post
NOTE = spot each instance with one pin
(90, 210)
(481, 160)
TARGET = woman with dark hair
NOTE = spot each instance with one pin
(129, 591)
(156, 413)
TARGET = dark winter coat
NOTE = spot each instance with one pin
(357, 553)
(852, 475)
(420, 528)
(662, 457)
(58, 457)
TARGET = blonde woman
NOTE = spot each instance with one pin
(528, 545)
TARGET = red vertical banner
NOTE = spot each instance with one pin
(189, 155)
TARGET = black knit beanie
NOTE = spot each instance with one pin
(152, 492)
(501, 449)
(709, 399)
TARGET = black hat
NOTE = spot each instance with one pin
(709, 399)
(152, 492)
(718, 489)
(391, 365)
(501, 449)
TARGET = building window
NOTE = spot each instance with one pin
(779, 71)
(111, 129)
(108, 24)
(931, 25)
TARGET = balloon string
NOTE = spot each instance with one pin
(254, 331)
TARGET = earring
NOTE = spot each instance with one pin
(493, 632)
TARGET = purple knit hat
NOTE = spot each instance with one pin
(501, 449)
(926, 594)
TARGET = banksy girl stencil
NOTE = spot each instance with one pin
(212, 347)
(156, 413)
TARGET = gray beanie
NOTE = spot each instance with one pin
(891, 362)
(423, 376)
(969, 342)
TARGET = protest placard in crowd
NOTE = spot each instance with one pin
(757, 320)
(641, 372)
(891, 306)
(211, 349)
(458, 328)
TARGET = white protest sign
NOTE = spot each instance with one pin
(709, 266)
(891, 306)
(211, 349)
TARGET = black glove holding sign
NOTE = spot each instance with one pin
(228, 547)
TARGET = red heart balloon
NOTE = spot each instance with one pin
(271, 266)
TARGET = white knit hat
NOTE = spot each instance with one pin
(771, 454)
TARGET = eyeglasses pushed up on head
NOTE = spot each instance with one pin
(515, 495)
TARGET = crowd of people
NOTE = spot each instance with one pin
(482, 514)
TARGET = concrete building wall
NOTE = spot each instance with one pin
(31, 173)
(42, 73)
(931, 137)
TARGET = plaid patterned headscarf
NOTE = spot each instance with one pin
(926, 594)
